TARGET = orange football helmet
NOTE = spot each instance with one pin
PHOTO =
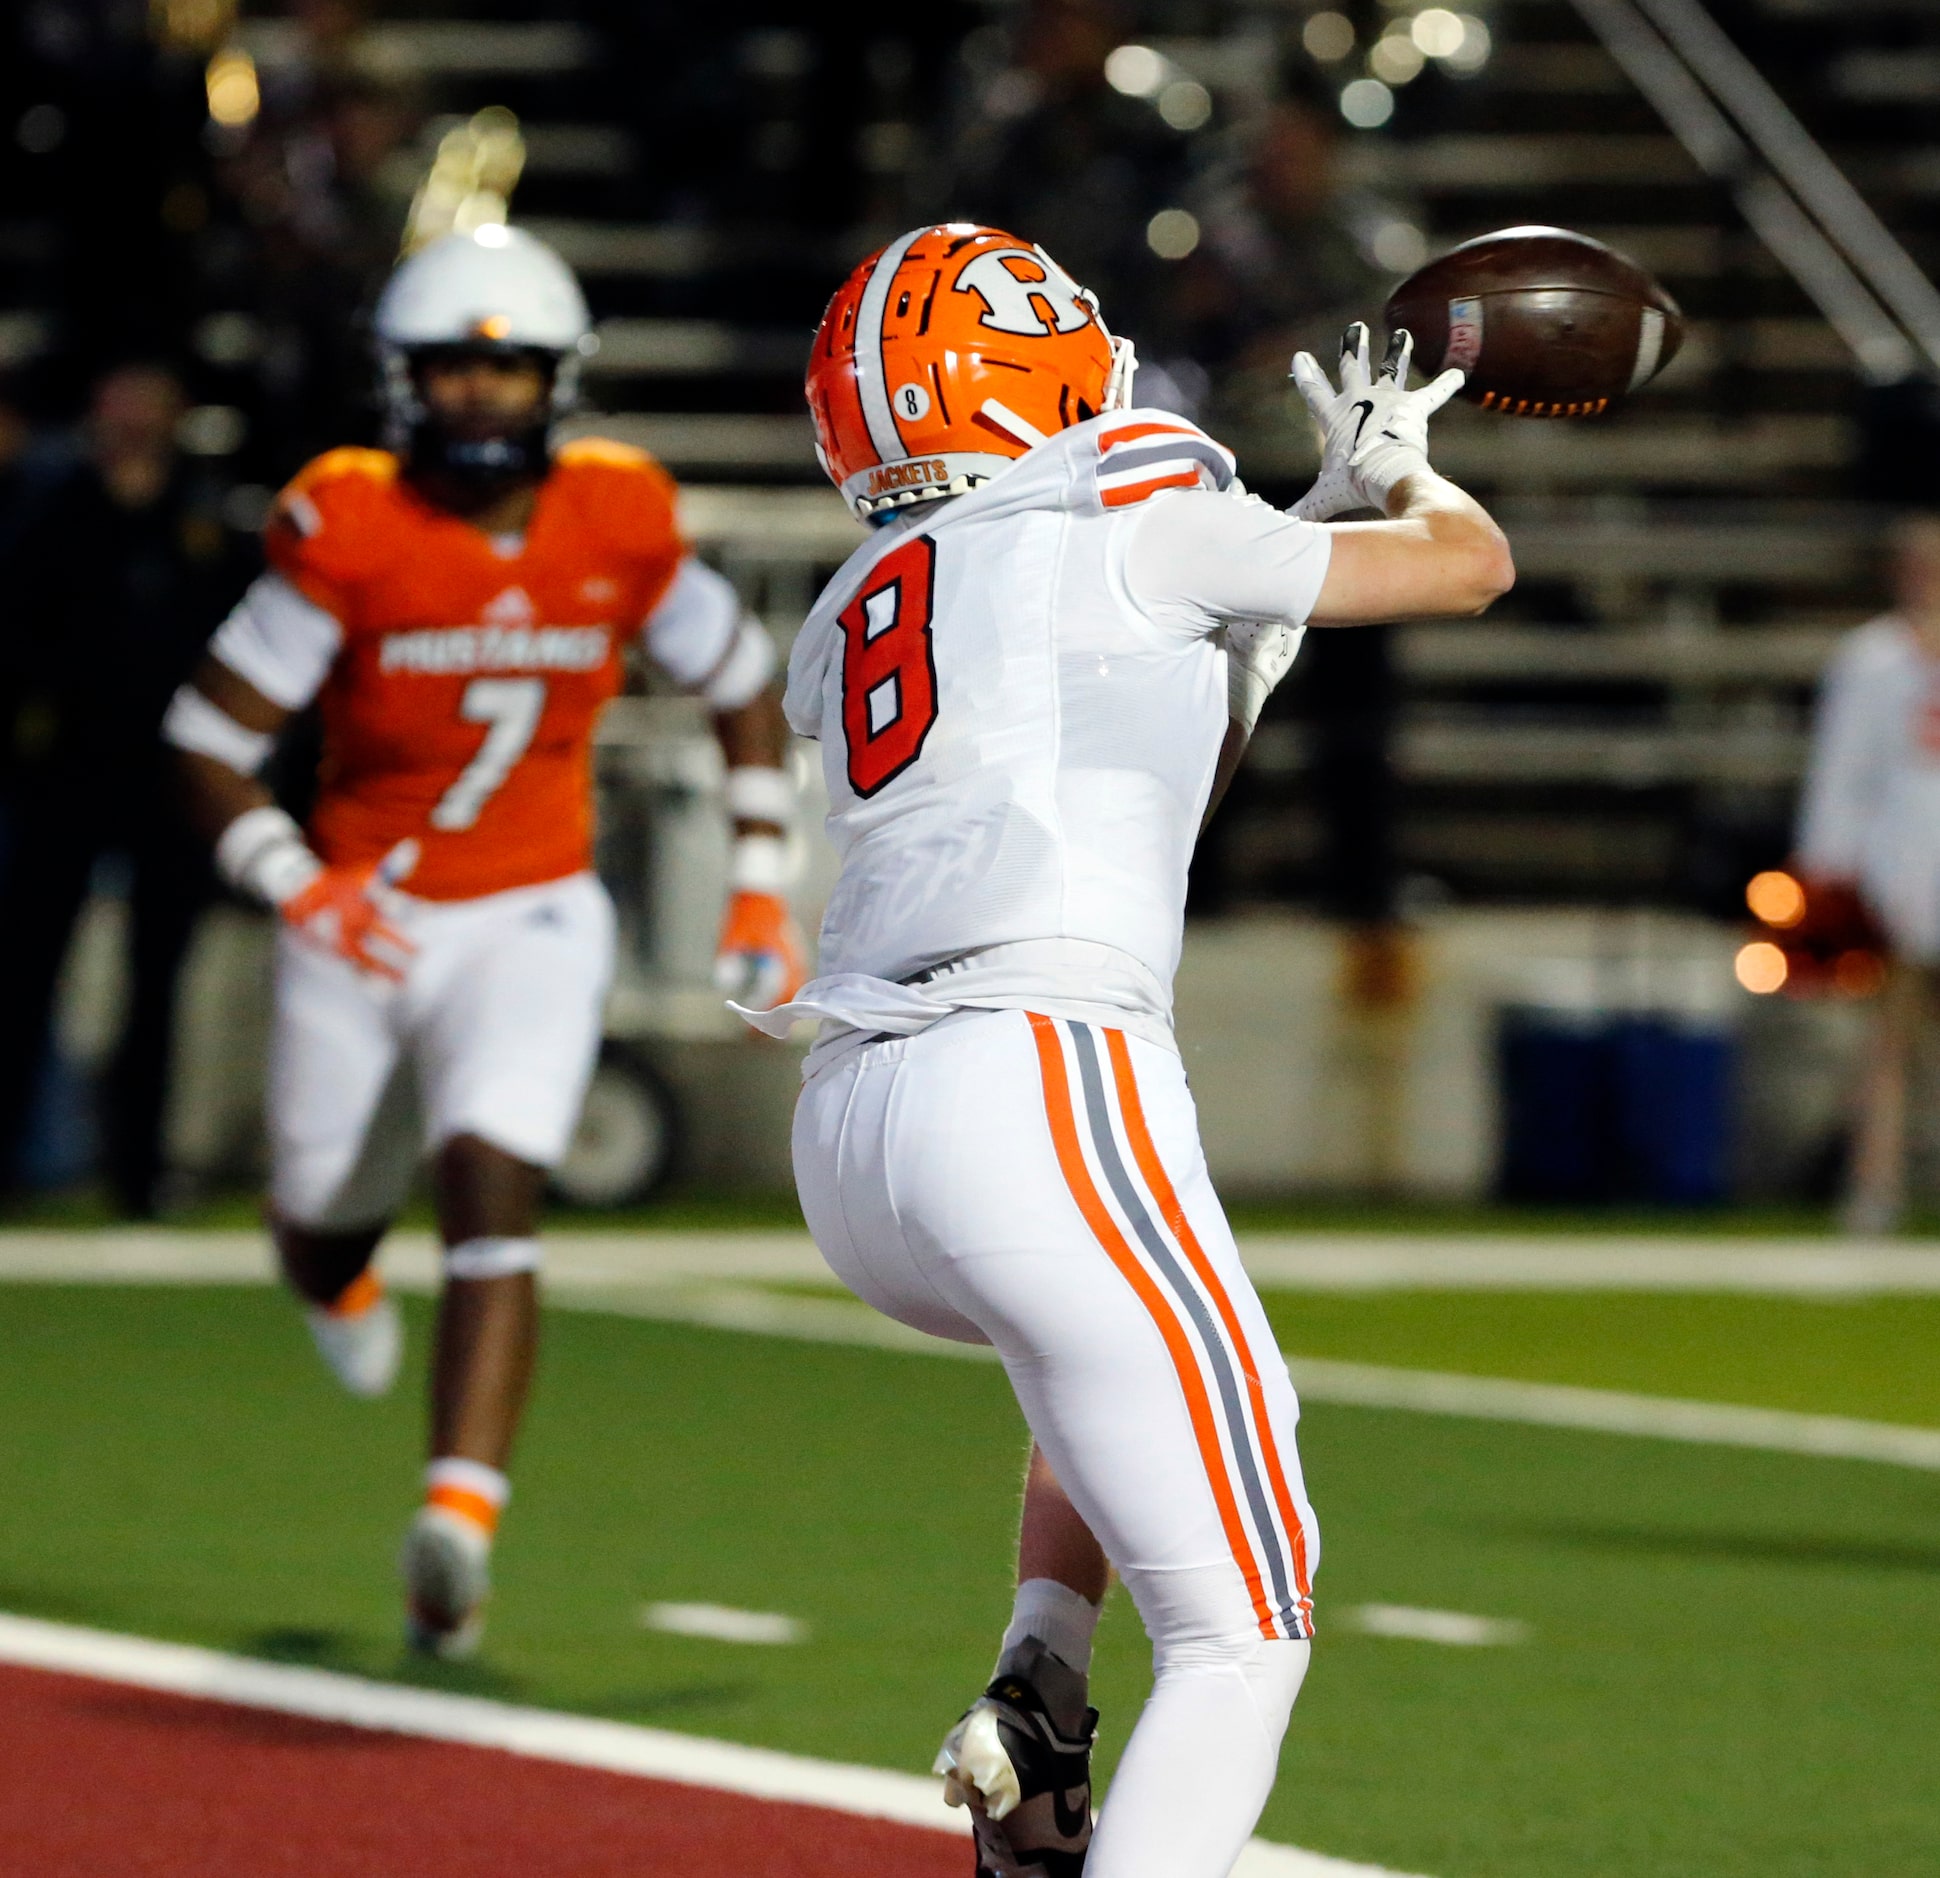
(947, 355)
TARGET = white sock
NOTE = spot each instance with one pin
(1061, 1619)
(469, 1489)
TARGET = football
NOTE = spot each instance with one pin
(1545, 323)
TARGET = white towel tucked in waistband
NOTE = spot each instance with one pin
(1074, 978)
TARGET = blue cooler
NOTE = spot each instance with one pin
(1599, 1107)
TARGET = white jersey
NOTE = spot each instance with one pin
(1871, 808)
(1021, 696)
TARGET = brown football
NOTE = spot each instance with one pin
(1545, 323)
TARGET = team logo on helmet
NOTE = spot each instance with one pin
(1020, 303)
(946, 357)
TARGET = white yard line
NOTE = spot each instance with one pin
(543, 1734)
(712, 1280)
(1801, 1268)
(1611, 1412)
(722, 1623)
(1459, 1630)
(1778, 1268)
(1355, 1385)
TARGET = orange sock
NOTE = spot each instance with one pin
(358, 1296)
(469, 1489)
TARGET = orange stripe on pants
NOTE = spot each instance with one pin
(1064, 1137)
(1174, 1215)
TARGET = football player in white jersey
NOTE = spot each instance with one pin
(1026, 686)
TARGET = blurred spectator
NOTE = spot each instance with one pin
(1285, 257)
(121, 572)
(15, 435)
(321, 182)
(1869, 828)
(1048, 150)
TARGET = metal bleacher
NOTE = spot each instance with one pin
(1685, 564)
(1632, 721)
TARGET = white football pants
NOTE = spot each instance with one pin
(494, 1032)
(1037, 1184)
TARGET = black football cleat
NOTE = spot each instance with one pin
(1020, 1759)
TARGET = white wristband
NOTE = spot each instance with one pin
(1384, 466)
(761, 864)
(194, 721)
(263, 853)
(760, 795)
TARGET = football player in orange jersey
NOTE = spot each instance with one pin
(459, 606)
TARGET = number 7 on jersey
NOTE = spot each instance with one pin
(889, 666)
(510, 709)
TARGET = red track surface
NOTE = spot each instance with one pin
(98, 1780)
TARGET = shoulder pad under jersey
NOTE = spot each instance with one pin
(324, 528)
(1138, 453)
(624, 493)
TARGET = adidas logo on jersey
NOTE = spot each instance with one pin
(513, 607)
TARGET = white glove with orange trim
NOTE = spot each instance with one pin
(263, 853)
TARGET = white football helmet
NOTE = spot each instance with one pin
(493, 286)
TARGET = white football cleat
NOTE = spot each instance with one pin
(447, 1578)
(363, 1347)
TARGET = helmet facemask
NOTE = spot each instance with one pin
(484, 456)
(499, 292)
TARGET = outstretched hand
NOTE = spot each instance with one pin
(1374, 429)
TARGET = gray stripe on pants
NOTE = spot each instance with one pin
(1188, 1294)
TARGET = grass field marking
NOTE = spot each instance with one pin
(587, 1282)
(543, 1734)
(1776, 1268)
(723, 1623)
(588, 1260)
(1352, 1385)
(1457, 1629)
(614, 1261)
(1611, 1412)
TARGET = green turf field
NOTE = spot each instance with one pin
(1730, 1660)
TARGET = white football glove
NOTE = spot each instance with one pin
(1375, 430)
(1258, 654)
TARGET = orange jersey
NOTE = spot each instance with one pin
(460, 709)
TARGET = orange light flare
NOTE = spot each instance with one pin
(1761, 967)
(1776, 899)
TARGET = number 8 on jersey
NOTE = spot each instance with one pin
(889, 666)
